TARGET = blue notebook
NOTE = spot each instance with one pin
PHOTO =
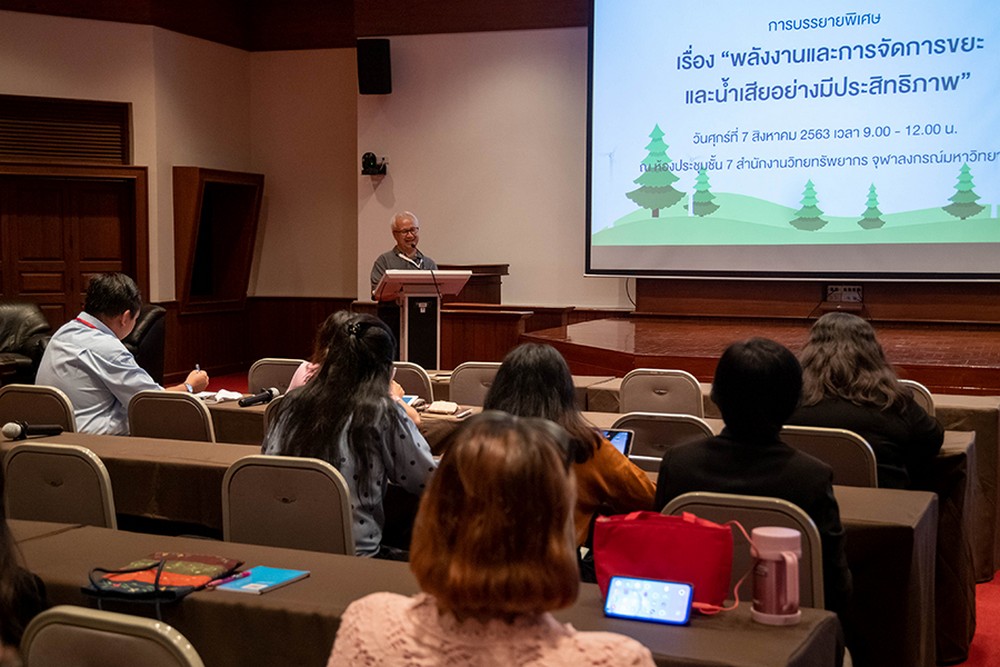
(263, 579)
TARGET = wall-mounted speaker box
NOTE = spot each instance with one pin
(374, 71)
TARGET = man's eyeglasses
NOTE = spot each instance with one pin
(404, 232)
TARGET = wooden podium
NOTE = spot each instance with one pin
(418, 294)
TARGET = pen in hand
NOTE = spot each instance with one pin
(226, 580)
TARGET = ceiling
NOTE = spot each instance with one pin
(277, 25)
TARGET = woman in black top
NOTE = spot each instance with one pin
(848, 383)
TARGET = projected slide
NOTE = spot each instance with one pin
(778, 138)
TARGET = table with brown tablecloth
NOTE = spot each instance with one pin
(238, 425)
(956, 412)
(296, 624)
(181, 481)
(891, 546)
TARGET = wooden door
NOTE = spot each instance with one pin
(56, 232)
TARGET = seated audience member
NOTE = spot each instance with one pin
(757, 385)
(307, 369)
(22, 596)
(534, 381)
(345, 416)
(87, 360)
(848, 383)
(493, 552)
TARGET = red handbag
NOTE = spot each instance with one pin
(681, 548)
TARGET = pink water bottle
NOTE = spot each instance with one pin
(776, 575)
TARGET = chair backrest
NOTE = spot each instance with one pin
(271, 411)
(287, 501)
(272, 372)
(471, 381)
(661, 390)
(61, 483)
(147, 341)
(24, 333)
(753, 512)
(414, 380)
(921, 394)
(36, 404)
(850, 455)
(175, 415)
(67, 636)
(656, 432)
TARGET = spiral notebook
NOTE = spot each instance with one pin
(263, 579)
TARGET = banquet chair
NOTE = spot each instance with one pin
(921, 394)
(656, 432)
(287, 501)
(850, 455)
(147, 341)
(272, 372)
(61, 483)
(660, 390)
(471, 381)
(271, 412)
(175, 415)
(24, 333)
(753, 512)
(68, 636)
(414, 380)
(36, 404)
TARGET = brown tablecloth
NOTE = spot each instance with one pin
(982, 415)
(891, 540)
(953, 478)
(172, 480)
(234, 424)
(296, 625)
(181, 481)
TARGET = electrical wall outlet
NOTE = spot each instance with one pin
(844, 293)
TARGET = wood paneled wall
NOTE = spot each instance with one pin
(883, 301)
(228, 342)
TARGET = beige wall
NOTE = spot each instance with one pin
(485, 132)
(290, 116)
(486, 138)
(304, 129)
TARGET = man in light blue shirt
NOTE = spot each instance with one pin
(87, 360)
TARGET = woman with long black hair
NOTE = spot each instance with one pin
(346, 416)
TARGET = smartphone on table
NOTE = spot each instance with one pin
(652, 600)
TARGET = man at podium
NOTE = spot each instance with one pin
(404, 255)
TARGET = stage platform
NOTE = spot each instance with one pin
(948, 358)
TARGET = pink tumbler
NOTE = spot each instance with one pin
(776, 575)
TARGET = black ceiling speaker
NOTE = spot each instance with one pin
(374, 71)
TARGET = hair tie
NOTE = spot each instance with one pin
(354, 329)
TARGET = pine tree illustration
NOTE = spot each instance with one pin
(964, 200)
(703, 198)
(872, 217)
(655, 182)
(808, 217)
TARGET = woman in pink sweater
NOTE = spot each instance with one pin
(494, 552)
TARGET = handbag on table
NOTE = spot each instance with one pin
(682, 548)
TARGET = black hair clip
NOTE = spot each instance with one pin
(354, 329)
